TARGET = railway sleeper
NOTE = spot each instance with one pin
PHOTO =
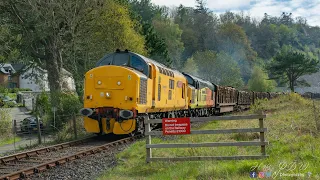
(40, 169)
(72, 158)
(61, 161)
(51, 165)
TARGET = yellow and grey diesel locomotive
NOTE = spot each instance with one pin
(124, 88)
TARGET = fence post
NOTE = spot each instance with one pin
(263, 147)
(14, 133)
(74, 126)
(148, 140)
(32, 104)
(24, 102)
(39, 130)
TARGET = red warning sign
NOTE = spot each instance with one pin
(174, 126)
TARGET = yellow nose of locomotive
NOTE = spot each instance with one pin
(110, 99)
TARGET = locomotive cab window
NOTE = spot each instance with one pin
(139, 65)
(121, 59)
(190, 80)
(106, 61)
(150, 71)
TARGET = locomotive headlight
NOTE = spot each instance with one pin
(108, 94)
(119, 83)
(99, 82)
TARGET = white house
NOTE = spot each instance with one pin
(36, 78)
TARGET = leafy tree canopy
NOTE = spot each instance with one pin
(290, 65)
(260, 82)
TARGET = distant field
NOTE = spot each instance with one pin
(294, 148)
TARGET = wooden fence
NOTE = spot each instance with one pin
(261, 143)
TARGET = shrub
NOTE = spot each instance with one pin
(5, 123)
(68, 106)
(1, 103)
(15, 90)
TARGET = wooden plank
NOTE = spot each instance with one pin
(214, 118)
(263, 147)
(217, 131)
(215, 144)
(148, 142)
(208, 158)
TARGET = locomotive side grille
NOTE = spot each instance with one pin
(143, 91)
(193, 96)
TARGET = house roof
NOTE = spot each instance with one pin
(6, 68)
(18, 67)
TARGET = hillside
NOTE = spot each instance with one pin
(294, 148)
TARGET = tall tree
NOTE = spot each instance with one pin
(219, 68)
(106, 28)
(190, 67)
(260, 82)
(45, 28)
(171, 33)
(290, 66)
(233, 40)
(8, 44)
(145, 12)
(199, 27)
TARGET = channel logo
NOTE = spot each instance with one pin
(267, 174)
(260, 174)
(253, 174)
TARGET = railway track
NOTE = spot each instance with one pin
(22, 165)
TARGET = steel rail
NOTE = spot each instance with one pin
(15, 157)
(59, 161)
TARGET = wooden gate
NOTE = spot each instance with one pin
(261, 142)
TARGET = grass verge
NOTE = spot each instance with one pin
(10, 140)
(294, 148)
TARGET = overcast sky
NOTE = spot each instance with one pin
(310, 9)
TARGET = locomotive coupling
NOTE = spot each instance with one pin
(86, 111)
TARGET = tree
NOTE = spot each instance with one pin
(260, 82)
(218, 68)
(190, 67)
(144, 11)
(234, 41)
(8, 43)
(45, 27)
(171, 33)
(105, 29)
(290, 66)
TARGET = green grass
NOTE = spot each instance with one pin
(294, 142)
(13, 95)
(10, 140)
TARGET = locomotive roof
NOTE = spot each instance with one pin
(148, 60)
(145, 59)
(209, 84)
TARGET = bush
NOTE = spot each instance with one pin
(5, 123)
(68, 106)
(15, 90)
(6, 90)
(1, 103)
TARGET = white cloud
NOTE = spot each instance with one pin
(189, 3)
(227, 4)
(309, 9)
